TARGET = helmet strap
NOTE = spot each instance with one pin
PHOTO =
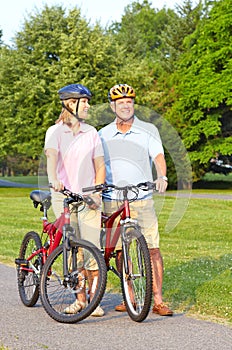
(122, 120)
(71, 112)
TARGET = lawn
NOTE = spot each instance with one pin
(197, 252)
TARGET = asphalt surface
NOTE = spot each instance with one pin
(23, 328)
(5, 183)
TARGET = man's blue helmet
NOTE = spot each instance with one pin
(74, 91)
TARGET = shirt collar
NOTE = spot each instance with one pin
(83, 128)
(134, 129)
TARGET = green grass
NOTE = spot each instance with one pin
(214, 181)
(198, 259)
(210, 177)
(197, 252)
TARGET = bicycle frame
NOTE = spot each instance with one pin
(124, 211)
(55, 231)
(107, 223)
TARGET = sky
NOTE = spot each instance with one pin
(14, 12)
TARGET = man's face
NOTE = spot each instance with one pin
(123, 107)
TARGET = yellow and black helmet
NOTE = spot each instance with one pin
(121, 91)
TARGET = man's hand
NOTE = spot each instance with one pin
(161, 185)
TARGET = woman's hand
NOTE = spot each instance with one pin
(57, 185)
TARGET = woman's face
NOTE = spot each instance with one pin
(83, 108)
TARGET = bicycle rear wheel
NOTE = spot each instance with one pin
(136, 277)
(28, 281)
(85, 281)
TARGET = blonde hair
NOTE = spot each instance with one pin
(66, 112)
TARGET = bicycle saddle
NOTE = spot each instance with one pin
(41, 197)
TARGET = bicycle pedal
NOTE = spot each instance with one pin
(21, 262)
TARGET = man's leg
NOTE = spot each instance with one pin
(149, 226)
(157, 274)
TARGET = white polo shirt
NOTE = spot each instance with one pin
(76, 153)
(129, 156)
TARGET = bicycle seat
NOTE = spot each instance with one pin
(41, 197)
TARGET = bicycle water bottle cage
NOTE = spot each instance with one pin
(41, 197)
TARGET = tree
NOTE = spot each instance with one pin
(52, 50)
(204, 100)
(140, 28)
(179, 25)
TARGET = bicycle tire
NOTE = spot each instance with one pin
(58, 293)
(137, 282)
(28, 282)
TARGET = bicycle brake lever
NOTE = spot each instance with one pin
(146, 186)
(88, 200)
(151, 186)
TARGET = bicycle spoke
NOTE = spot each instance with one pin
(28, 282)
(137, 281)
(73, 297)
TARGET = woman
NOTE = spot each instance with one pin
(74, 161)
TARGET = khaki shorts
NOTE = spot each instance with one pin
(144, 212)
(86, 222)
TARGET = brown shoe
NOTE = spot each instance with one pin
(162, 310)
(121, 307)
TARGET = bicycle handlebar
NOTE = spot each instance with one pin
(77, 197)
(145, 186)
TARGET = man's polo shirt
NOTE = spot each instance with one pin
(76, 154)
(129, 156)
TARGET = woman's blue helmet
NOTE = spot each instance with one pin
(74, 91)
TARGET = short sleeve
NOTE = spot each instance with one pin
(98, 149)
(154, 144)
(51, 138)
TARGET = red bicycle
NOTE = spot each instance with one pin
(136, 271)
(59, 273)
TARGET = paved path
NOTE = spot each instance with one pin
(199, 195)
(24, 328)
(5, 183)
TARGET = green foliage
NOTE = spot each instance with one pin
(179, 63)
(180, 25)
(140, 28)
(203, 84)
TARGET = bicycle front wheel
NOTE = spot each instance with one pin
(72, 297)
(136, 277)
(29, 269)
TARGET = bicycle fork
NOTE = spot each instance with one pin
(127, 226)
(69, 241)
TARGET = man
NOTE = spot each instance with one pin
(130, 145)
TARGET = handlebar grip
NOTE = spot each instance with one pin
(96, 188)
(89, 189)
